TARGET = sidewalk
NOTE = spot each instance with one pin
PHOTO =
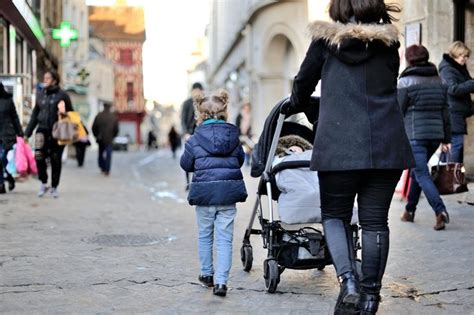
(126, 244)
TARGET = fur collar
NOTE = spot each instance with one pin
(336, 33)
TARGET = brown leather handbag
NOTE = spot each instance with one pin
(449, 178)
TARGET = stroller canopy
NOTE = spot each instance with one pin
(262, 148)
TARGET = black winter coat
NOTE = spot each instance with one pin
(460, 86)
(360, 122)
(188, 122)
(45, 113)
(215, 156)
(10, 126)
(423, 99)
(105, 127)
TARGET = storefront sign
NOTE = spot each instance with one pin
(65, 34)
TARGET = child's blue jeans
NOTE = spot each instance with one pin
(218, 220)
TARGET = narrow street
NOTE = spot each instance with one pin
(127, 244)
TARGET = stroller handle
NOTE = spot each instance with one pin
(276, 137)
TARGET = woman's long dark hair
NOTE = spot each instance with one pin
(363, 11)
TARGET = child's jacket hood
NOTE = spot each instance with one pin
(218, 138)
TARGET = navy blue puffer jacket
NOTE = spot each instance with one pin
(215, 156)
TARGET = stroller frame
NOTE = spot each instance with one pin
(271, 228)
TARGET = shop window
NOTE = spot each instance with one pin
(19, 55)
(130, 93)
(126, 57)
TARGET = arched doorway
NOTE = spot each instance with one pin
(280, 67)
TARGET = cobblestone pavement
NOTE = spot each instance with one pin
(127, 244)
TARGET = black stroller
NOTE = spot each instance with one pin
(292, 248)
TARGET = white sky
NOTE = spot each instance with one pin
(172, 29)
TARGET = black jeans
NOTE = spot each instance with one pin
(47, 147)
(80, 152)
(374, 190)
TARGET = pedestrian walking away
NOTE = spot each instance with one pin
(174, 140)
(423, 100)
(215, 156)
(81, 147)
(244, 123)
(51, 101)
(10, 128)
(361, 145)
(105, 128)
(454, 73)
(188, 121)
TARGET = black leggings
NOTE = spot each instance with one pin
(47, 147)
(374, 190)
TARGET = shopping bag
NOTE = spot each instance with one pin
(11, 167)
(449, 178)
(21, 160)
(64, 130)
(30, 158)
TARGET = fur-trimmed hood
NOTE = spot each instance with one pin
(355, 43)
(336, 33)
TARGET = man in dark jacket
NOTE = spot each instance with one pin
(10, 128)
(423, 99)
(188, 121)
(454, 73)
(105, 128)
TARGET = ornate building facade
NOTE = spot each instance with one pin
(122, 30)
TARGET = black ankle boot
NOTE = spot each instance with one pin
(369, 303)
(348, 299)
(11, 183)
(2, 189)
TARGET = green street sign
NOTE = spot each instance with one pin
(65, 34)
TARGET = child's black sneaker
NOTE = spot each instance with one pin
(208, 281)
(220, 290)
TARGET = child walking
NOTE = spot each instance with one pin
(215, 156)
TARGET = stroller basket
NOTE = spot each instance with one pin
(301, 249)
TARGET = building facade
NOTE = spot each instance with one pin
(27, 48)
(75, 73)
(122, 30)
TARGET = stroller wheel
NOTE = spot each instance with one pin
(271, 275)
(246, 255)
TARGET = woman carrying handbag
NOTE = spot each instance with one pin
(51, 102)
(423, 100)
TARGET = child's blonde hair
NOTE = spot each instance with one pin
(213, 106)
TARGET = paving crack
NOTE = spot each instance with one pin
(413, 293)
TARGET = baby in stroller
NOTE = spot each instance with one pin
(299, 201)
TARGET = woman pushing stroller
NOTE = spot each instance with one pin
(361, 144)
